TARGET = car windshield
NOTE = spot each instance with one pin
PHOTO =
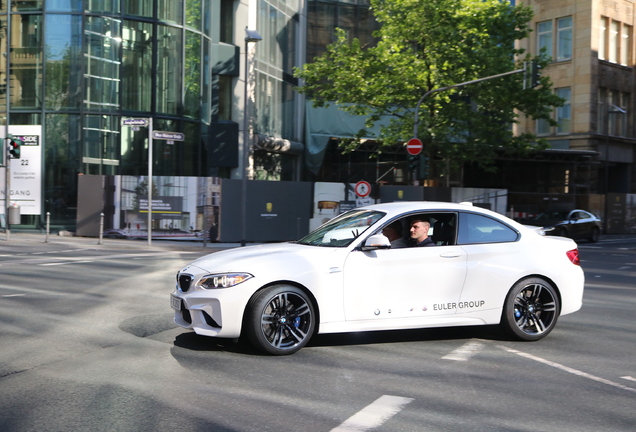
(342, 230)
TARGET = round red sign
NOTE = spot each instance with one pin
(362, 189)
(414, 146)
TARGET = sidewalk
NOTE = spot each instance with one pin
(31, 238)
(24, 238)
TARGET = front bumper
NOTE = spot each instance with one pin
(217, 313)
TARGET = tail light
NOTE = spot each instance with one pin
(573, 255)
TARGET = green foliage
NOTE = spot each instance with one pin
(425, 45)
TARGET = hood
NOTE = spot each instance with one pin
(252, 258)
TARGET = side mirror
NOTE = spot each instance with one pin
(376, 241)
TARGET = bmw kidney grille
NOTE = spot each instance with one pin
(184, 282)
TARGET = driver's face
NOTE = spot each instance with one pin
(419, 230)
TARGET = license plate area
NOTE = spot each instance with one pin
(175, 302)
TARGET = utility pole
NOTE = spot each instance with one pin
(7, 160)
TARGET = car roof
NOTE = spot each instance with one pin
(401, 207)
(407, 206)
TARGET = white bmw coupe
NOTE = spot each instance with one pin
(483, 269)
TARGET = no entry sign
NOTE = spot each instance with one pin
(414, 146)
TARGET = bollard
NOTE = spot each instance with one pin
(101, 227)
(48, 226)
(14, 214)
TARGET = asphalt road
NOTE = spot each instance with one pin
(87, 343)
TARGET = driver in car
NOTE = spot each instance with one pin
(419, 232)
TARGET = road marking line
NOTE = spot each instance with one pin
(13, 295)
(465, 352)
(374, 415)
(628, 378)
(64, 263)
(569, 369)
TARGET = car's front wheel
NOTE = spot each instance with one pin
(280, 319)
(531, 309)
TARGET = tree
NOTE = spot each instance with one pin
(423, 45)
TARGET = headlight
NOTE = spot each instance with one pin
(225, 280)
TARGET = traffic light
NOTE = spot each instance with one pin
(532, 76)
(414, 163)
(535, 74)
(418, 166)
(14, 147)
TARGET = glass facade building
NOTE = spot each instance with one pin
(78, 68)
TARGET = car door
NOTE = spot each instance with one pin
(583, 223)
(416, 282)
(494, 257)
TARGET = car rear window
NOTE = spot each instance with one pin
(475, 228)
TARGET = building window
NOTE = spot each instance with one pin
(612, 112)
(137, 66)
(192, 76)
(169, 66)
(63, 65)
(626, 44)
(102, 53)
(564, 113)
(275, 59)
(615, 41)
(602, 36)
(26, 61)
(546, 41)
(564, 38)
(227, 21)
(543, 127)
(544, 35)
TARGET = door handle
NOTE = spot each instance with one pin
(451, 255)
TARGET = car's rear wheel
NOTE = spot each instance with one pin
(594, 235)
(280, 319)
(531, 309)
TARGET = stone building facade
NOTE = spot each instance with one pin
(591, 43)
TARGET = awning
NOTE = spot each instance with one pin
(325, 123)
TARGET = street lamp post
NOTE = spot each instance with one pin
(610, 109)
(250, 36)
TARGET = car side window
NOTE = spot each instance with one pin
(441, 231)
(582, 215)
(475, 228)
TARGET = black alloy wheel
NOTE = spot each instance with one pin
(280, 319)
(531, 309)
